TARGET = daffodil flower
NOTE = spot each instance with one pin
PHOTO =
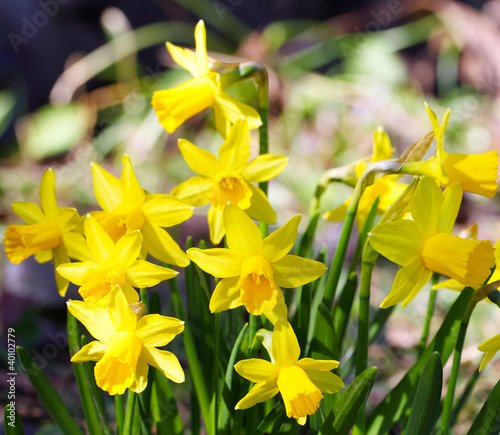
(301, 382)
(424, 245)
(127, 207)
(174, 106)
(253, 269)
(112, 264)
(491, 347)
(386, 188)
(228, 179)
(50, 233)
(477, 173)
(126, 345)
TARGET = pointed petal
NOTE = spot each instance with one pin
(317, 364)
(264, 167)
(449, 211)
(144, 274)
(338, 213)
(279, 312)
(199, 160)
(486, 359)
(279, 243)
(156, 330)
(183, 57)
(426, 205)
(48, 194)
(29, 212)
(200, 36)
(60, 256)
(130, 187)
(128, 248)
(166, 210)
(161, 246)
(74, 271)
(226, 295)
(216, 225)
(101, 246)
(120, 313)
(382, 149)
(235, 151)
(258, 394)
(257, 370)
(260, 210)
(141, 376)
(44, 256)
(76, 245)
(490, 345)
(231, 109)
(93, 351)
(219, 262)
(97, 321)
(242, 235)
(293, 271)
(399, 241)
(286, 350)
(194, 191)
(106, 188)
(327, 382)
(164, 361)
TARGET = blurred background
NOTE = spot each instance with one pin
(76, 80)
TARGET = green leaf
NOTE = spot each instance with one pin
(273, 419)
(48, 395)
(424, 410)
(11, 421)
(352, 400)
(392, 407)
(324, 344)
(163, 405)
(487, 421)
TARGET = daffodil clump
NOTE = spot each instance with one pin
(118, 255)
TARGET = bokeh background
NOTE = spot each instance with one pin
(76, 79)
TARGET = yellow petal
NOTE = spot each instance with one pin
(164, 361)
(382, 149)
(75, 271)
(490, 345)
(48, 194)
(194, 191)
(128, 248)
(450, 284)
(183, 57)
(235, 151)
(29, 212)
(286, 348)
(161, 246)
(264, 167)
(144, 274)
(76, 245)
(226, 295)
(106, 188)
(60, 256)
(256, 370)
(199, 160)
(258, 394)
(200, 37)
(100, 245)
(260, 209)
(219, 262)
(97, 321)
(44, 256)
(293, 271)
(229, 109)
(426, 205)
(132, 192)
(141, 376)
(399, 241)
(486, 359)
(317, 364)
(452, 198)
(439, 129)
(156, 330)
(327, 382)
(216, 225)
(165, 210)
(92, 351)
(338, 214)
(278, 244)
(279, 312)
(120, 313)
(242, 234)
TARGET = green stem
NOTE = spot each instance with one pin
(452, 381)
(263, 109)
(194, 362)
(129, 413)
(252, 330)
(428, 317)
(119, 413)
(215, 373)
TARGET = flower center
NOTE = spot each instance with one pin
(258, 291)
(231, 189)
(121, 221)
(22, 241)
(97, 282)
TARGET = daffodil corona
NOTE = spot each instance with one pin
(175, 106)
(228, 179)
(301, 382)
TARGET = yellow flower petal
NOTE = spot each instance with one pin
(317, 364)
(144, 274)
(92, 351)
(101, 246)
(278, 244)
(183, 57)
(141, 376)
(450, 284)
(76, 245)
(106, 188)
(426, 205)
(97, 321)
(194, 191)
(60, 256)
(128, 248)
(490, 345)
(131, 190)
(242, 234)
(286, 348)
(327, 382)
(226, 295)
(199, 160)
(216, 225)
(486, 359)
(229, 109)
(165, 210)
(48, 194)
(293, 271)
(258, 394)
(219, 262)
(264, 167)
(44, 256)
(29, 212)
(279, 312)
(200, 37)
(156, 330)
(161, 246)
(338, 214)
(120, 313)
(164, 361)
(75, 271)
(382, 149)
(235, 151)
(257, 370)
(452, 198)
(260, 209)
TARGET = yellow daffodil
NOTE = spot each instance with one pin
(477, 173)
(174, 106)
(491, 347)
(228, 179)
(385, 188)
(50, 233)
(127, 207)
(301, 382)
(424, 245)
(126, 345)
(112, 264)
(253, 269)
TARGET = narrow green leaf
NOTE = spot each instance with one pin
(343, 307)
(273, 419)
(487, 421)
(392, 407)
(324, 344)
(424, 410)
(48, 395)
(304, 248)
(351, 401)
(464, 397)
(12, 423)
